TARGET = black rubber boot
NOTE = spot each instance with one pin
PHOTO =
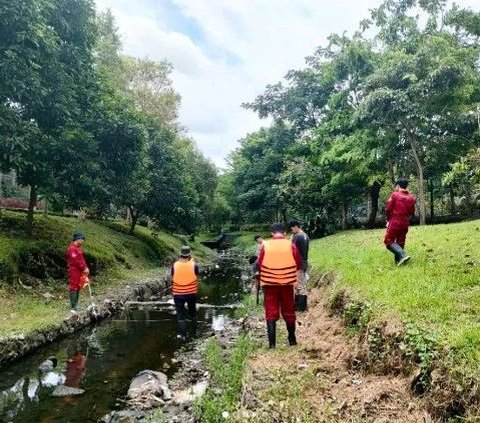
(395, 254)
(182, 329)
(400, 256)
(271, 331)
(73, 300)
(302, 303)
(292, 340)
(297, 305)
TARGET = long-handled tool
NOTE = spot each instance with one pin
(85, 282)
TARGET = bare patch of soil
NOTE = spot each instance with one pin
(314, 381)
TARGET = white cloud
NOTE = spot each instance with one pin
(261, 39)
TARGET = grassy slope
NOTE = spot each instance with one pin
(113, 255)
(439, 290)
(245, 241)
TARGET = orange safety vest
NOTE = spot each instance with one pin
(278, 265)
(184, 278)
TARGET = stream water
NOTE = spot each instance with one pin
(103, 359)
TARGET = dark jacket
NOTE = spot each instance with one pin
(301, 241)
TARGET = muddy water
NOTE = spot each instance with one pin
(104, 359)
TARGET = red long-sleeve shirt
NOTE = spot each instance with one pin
(76, 264)
(295, 252)
(400, 206)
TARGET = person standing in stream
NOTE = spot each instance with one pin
(301, 241)
(184, 290)
(399, 209)
(279, 262)
(77, 268)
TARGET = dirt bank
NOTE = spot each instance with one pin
(315, 382)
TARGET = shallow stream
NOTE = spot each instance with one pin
(103, 359)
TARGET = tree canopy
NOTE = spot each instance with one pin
(365, 110)
(86, 126)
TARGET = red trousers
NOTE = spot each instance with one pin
(396, 232)
(279, 298)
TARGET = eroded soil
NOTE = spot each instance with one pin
(314, 382)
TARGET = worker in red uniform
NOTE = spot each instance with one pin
(184, 290)
(77, 268)
(279, 263)
(399, 209)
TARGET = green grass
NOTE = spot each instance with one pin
(227, 370)
(30, 267)
(245, 242)
(438, 291)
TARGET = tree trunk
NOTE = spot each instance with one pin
(391, 171)
(421, 183)
(373, 195)
(1, 192)
(432, 203)
(452, 201)
(31, 208)
(344, 215)
(128, 217)
(45, 207)
(134, 217)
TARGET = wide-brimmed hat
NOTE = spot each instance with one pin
(185, 251)
(78, 235)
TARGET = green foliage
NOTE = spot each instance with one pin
(87, 127)
(47, 83)
(424, 347)
(227, 375)
(357, 314)
(363, 112)
(257, 166)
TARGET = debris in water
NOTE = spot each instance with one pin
(67, 391)
(218, 323)
(146, 388)
(48, 365)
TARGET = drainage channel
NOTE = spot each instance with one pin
(102, 360)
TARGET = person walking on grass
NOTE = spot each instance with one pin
(399, 209)
(77, 269)
(279, 262)
(184, 290)
(301, 241)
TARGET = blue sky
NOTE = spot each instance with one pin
(225, 52)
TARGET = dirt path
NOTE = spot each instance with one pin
(314, 382)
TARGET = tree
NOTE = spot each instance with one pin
(364, 111)
(257, 166)
(46, 84)
(413, 94)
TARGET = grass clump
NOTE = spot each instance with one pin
(227, 369)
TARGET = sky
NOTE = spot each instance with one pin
(225, 52)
